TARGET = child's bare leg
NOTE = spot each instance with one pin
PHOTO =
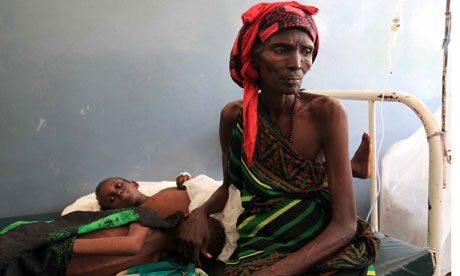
(361, 161)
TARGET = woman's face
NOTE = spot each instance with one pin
(284, 60)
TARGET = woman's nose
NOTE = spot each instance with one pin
(295, 60)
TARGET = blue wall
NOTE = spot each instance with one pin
(92, 89)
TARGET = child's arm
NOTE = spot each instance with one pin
(130, 244)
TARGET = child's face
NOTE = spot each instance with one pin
(116, 194)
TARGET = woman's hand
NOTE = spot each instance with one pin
(181, 178)
(194, 236)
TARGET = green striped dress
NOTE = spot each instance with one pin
(286, 205)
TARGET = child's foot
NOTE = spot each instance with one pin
(361, 161)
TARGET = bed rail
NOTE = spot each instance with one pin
(436, 156)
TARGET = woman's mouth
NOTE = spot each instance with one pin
(293, 80)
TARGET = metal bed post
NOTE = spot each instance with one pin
(436, 155)
(373, 187)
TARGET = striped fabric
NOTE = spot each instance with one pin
(286, 204)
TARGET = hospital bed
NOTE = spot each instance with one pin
(392, 258)
(395, 257)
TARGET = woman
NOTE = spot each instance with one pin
(300, 215)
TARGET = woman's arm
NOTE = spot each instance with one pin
(130, 244)
(195, 234)
(331, 121)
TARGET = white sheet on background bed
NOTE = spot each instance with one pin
(404, 194)
(199, 189)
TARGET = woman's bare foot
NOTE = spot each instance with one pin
(361, 161)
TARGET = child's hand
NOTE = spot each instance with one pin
(181, 178)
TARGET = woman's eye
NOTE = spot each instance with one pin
(111, 199)
(280, 50)
(118, 185)
(307, 51)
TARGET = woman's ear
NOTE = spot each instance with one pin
(255, 63)
(255, 56)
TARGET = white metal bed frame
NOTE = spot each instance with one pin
(437, 160)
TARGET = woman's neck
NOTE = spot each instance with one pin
(278, 104)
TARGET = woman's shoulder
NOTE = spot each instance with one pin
(231, 110)
(322, 106)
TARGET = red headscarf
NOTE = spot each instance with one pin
(259, 23)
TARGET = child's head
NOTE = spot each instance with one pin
(117, 193)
